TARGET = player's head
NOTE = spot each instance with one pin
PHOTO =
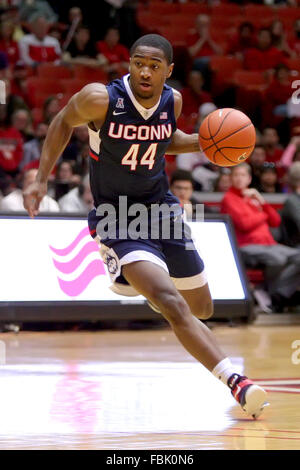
(151, 58)
(241, 176)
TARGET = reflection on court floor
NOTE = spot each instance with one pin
(56, 393)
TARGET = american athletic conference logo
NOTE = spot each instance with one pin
(77, 264)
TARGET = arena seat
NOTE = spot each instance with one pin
(54, 71)
(293, 64)
(39, 86)
(195, 9)
(254, 80)
(227, 9)
(90, 74)
(289, 12)
(257, 11)
(164, 8)
(71, 85)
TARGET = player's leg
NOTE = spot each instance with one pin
(154, 283)
(199, 301)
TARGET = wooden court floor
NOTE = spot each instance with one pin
(141, 390)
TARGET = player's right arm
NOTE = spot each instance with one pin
(89, 105)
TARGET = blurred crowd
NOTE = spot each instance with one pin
(49, 50)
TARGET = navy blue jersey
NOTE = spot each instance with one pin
(127, 154)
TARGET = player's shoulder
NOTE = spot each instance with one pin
(93, 93)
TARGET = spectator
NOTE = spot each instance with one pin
(200, 43)
(204, 173)
(81, 49)
(38, 47)
(223, 181)
(181, 185)
(279, 91)
(50, 109)
(257, 160)
(33, 148)
(7, 44)
(279, 38)
(78, 199)
(201, 47)
(31, 10)
(193, 95)
(243, 40)
(80, 138)
(75, 18)
(21, 120)
(291, 153)
(11, 144)
(252, 217)
(268, 179)
(65, 179)
(4, 66)
(113, 55)
(271, 144)
(14, 201)
(14, 102)
(291, 209)
(264, 56)
(294, 43)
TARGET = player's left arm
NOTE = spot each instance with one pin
(181, 142)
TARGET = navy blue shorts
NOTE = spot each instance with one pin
(185, 266)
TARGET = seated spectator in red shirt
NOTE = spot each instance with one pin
(294, 42)
(193, 95)
(11, 144)
(200, 43)
(113, 55)
(243, 40)
(270, 140)
(252, 218)
(38, 47)
(279, 38)
(264, 56)
(7, 44)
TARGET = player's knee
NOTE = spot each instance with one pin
(205, 311)
(173, 306)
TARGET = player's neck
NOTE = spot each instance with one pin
(146, 103)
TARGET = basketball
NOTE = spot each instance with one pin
(227, 137)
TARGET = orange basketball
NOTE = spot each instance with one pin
(227, 137)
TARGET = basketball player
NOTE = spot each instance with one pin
(132, 124)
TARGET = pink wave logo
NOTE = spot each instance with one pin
(94, 268)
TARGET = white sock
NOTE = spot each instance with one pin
(224, 370)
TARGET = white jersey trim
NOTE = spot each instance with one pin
(94, 140)
(144, 112)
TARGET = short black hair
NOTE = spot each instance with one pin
(181, 175)
(157, 41)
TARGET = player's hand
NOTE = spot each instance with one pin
(32, 197)
(252, 193)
